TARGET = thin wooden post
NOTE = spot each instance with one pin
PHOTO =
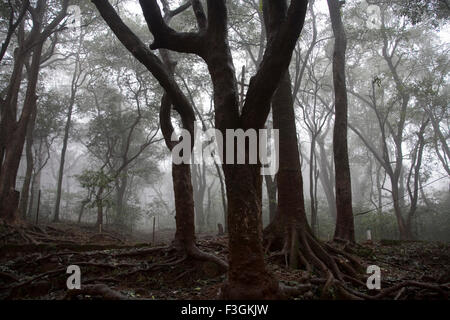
(369, 235)
(38, 205)
(154, 219)
(220, 227)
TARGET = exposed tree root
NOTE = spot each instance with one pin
(290, 291)
(11, 289)
(334, 269)
(171, 255)
(313, 254)
(195, 253)
(335, 262)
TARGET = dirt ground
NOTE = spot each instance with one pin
(34, 260)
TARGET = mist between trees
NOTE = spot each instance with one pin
(360, 97)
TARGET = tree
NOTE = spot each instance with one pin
(184, 241)
(78, 78)
(47, 127)
(118, 137)
(99, 184)
(30, 48)
(13, 25)
(290, 232)
(247, 275)
(345, 228)
(393, 92)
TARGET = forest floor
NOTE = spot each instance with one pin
(34, 260)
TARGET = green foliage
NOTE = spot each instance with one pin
(98, 183)
(92, 179)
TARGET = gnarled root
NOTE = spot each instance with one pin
(314, 254)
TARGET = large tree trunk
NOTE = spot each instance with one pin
(247, 276)
(291, 204)
(344, 223)
(290, 232)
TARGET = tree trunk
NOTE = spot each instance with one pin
(312, 180)
(344, 223)
(290, 231)
(121, 185)
(29, 170)
(63, 159)
(199, 188)
(326, 179)
(184, 206)
(99, 202)
(271, 186)
(404, 232)
(35, 181)
(247, 276)
(83, 206)
(223, 196)
(291, 204)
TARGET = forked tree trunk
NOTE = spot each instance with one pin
(344, 223)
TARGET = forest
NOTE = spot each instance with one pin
(224, 150)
